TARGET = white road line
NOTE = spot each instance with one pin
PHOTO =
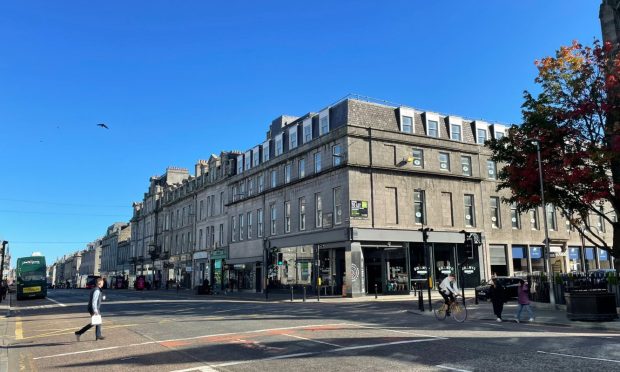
(287, 356)
(309, 339)
(452, 368)
(189, 338)
(580, 357)
(394, 330)
(200, 369)
(56, 302)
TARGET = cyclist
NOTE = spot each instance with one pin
(449, 290)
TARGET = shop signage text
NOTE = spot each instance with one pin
(359, 208)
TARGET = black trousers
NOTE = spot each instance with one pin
(89, 326)
(498, 307)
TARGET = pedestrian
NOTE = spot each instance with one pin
(94, 304)
(3, 290)
(523, 297)
(497, 295)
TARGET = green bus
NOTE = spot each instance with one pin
(31, 275)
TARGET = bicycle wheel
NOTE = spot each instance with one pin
(440, 313)
(459, 312)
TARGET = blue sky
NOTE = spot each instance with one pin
(178, 80)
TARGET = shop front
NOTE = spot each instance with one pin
(291, 266)
(603, 260)
(590, 259)
(216, 269)
(386, 269)
(520, 265)
(331, 270)
(575, 263)
(201, 268)
(536, 256)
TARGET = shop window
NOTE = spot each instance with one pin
(444, 161)
(495, 213)
(466, 165)
(419, 209)
(514, 217)
(468, 205)
(418, 158)
(519, 260)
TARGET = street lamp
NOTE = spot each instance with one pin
(536, 142)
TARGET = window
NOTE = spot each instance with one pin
(600, 225)
(318, 207)
(514, 217)
(201, 209)
(444, 161)
(235, 193)
(250, 186)
(307, 127)
(213, 235)
(221, 234)
(466, 165)
(455, 132)
(200, 239)
(287, 172)
(279, 148)
(468, 204)
(491, 169)
(248, 160)
(418, 158)
(317, 162)
(418, 207)
(265, 151)
(407, 124)
(495, 213)
(337, 206)
(287, 216)
(241, 227)
(221, 202)
(274, 178)
(499, 135)
(534, 218)
(482, 136)
(323, 123)
(301, 168)
(259, 223)
(446, 209)
(255, 156)
(233, 224)
(551, 221)
(249, 218)
(292, 137)
(261, 182)
(274, 217)
(336, 155)
(433, 128)
(302, 214)
(239, 164)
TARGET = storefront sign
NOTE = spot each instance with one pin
(421, 270)
(602, 255)
(239, 266)
(445, 269)
(219, 254)
(535, 252)
(188, 269)
(469, 269)
(359, 208)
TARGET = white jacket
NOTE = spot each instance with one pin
(448, 286)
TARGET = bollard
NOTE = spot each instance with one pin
(475, 297)
(304, 299)
(375, 291)
(291, 293)
(421, 300)
(318, 294)
(266, 293)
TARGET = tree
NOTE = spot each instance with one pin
(576, 120)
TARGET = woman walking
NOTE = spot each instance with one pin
(496, 293)
(523, 292)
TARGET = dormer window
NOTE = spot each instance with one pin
(324, 122)
(407, 121)
(499, 131)
(255, 156)
(307, 128)
(279, 148)
(407, 124)
(456, 128)
(481, 132)
(265, 151)
(292, 137)
(239, 164)
(248, 160)
(432, 124)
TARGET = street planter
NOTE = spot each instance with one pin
(591, 305)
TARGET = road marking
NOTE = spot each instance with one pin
(19, 332)
(188, 338)
(72, 330)
(341, 349)
(397, 331)
(56, 302)
(309, 339)
(580, 357)
(452, 368)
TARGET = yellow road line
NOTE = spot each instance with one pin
(19, 332)
(72, 330)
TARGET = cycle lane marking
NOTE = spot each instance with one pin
(579, 356)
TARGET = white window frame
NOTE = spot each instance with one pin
(420, 159)
(273, 218)
(239, 164)
(302, 213)
(287, 217)
(469, 171)
(255, 156)
(337, 196)
(445, 168)
(274, 178)
(324, 118)
(292, 137)
(288, 169)
(318, 210)
(498, 128)
(317, 164)
(248, 160)
(259, 222)
(301, 168)
(336, 156)
(481, 125)
(249, 218)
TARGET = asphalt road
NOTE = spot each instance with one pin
(160, 330)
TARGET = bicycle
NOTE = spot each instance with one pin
(457, 310)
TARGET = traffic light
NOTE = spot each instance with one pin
(280, 259)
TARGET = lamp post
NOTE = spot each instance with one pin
(536, 142)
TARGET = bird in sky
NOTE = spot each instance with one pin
(102, 125)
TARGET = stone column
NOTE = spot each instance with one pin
(354, 263)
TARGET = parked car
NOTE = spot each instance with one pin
(510, 285)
